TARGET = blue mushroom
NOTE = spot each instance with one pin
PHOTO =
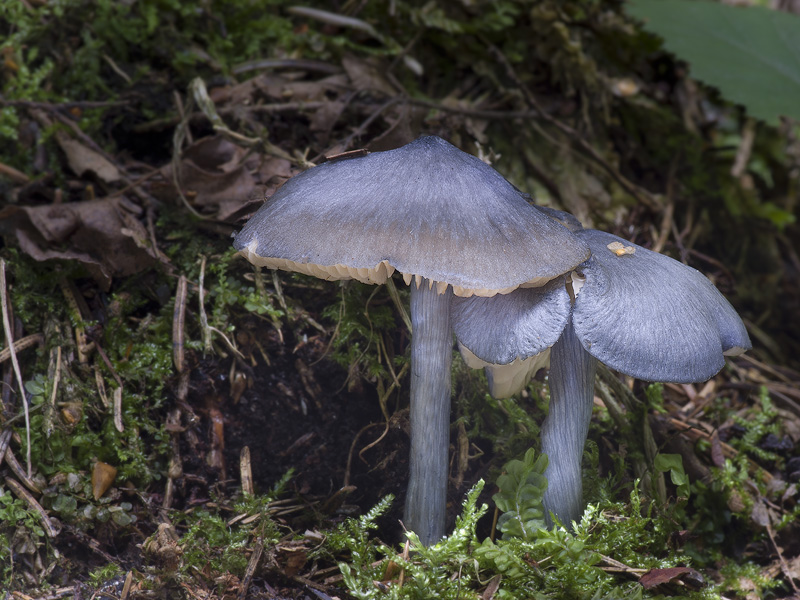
(446, 221)
(639, 312)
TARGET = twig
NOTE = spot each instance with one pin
(179, 136)
(10, 344)
(352, 450)
(669, 210)
(228, 342)
(117, 69)
(101, 386)
(398, 304)
(13, 174)
(475, 112)
(745, 148)
(50, 426)
(25, 495)
(286, 63)
(615, 566)
(117, 410)
(126, 587)
(135, 183)
(258, 549)
(368, 121)
(784, 567)
(50, 106)
(182, 115)
(767, 369)
(246, 471)
(17, 469)
(178, 319)
(21, 344)
(199, 94)
(5, 440)
(338, 20)
(199, 117)
(201, 302)
(92, 543)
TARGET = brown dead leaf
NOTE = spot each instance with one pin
(219, 179)
(793, 568)
(292, 556)
(656, 577)
(760, 514)
(103, 476)
(368, 75)
(316, 90)
(492, 587)
(717, 455)
(324, 119)
(82, 159)
(213, 178)
(102, 234)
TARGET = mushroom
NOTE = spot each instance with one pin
(446, 221)
(639, 312)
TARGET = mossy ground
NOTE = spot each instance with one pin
(253, 444)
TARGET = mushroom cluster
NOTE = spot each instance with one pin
(519, 286)
(447, 222)
(639, 312)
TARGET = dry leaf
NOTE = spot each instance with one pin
(82, 159)
(214, 179)
(656, 577)
(101, 234)
(103, 476)
(292, 556)
(368, 75)
(717, 455)
(760, 514)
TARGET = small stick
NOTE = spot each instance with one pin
(118, 409)
(25, 495)
(126, 588)
(101, 386)
(17, 469)
(17, 372)
(246, 471)
(5, 440)
(258, 549)
(784, 567)
(13, 174)
(177, 324)
(201, 302)
(21, 344)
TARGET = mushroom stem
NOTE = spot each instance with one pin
(431, 355)
(564, 431)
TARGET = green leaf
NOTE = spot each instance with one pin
(752, 54)
(674, 464)
(522, 487)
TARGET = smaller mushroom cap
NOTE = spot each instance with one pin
(639, 312)
(501, 329)
(426, 209)
(652, 317)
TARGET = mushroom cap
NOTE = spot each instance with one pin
(425, 209)
(652, 317)
(501, 329)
